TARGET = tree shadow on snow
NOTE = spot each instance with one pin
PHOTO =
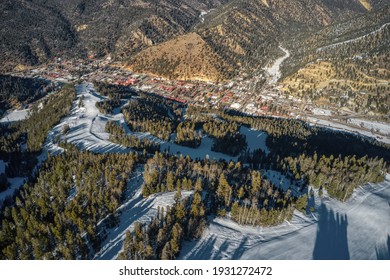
(383, 252)
(332, 241)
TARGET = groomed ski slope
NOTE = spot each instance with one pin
(356, 229)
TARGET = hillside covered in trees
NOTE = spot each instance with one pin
(57, 217)
(66, 208)
(344, 65)
(16, 92)
(233, 34)
(21, 142)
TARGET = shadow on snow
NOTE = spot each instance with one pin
(331, 241)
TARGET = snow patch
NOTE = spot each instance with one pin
(15, 184)
(273, 71)
(14, 116)
(383, 128)
(86, 125)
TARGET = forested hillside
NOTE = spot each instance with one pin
(243, 34)
(57, 217)
(343, 65)
(76, 28)
(16, 92)
(21, 142)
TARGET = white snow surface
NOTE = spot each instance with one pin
(356, 229)
(87, 132)
(86, 125)
(203, 14)
(14, 116)
(383, 128)
(135, 208)
(255, 139)
(273, 71)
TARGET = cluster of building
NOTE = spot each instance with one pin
(238, 94)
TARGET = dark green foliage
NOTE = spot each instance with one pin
(147, 116)
(114, 91)
(20, 91)
(118, 135)
(273, 126)
(185, 220)
(227, 138)
(107, 106)
(186, 135)
(42, 120)
(56, 218)
(225, 185)
(338, 175)
(21, 142)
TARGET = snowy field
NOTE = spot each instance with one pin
(356, 229)
(14, 116)
(383, 128)
(87, 132)
(255, 139)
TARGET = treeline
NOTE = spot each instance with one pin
(186, 134)
(18, 91)
(227, 138)
(58, 216)
(223, 183)
(21, 142)
(118, 135)
(42, 120)
(107, 106)
(34, 129)
(146, 116)
(273, 126)
(220, 188)
(329, 143)
(162, 238)
(338, 175)
(114, 91)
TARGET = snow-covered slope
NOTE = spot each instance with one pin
(134, 209)
(14, 116)
(357, 229)
(14, 185)
(86, 125)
